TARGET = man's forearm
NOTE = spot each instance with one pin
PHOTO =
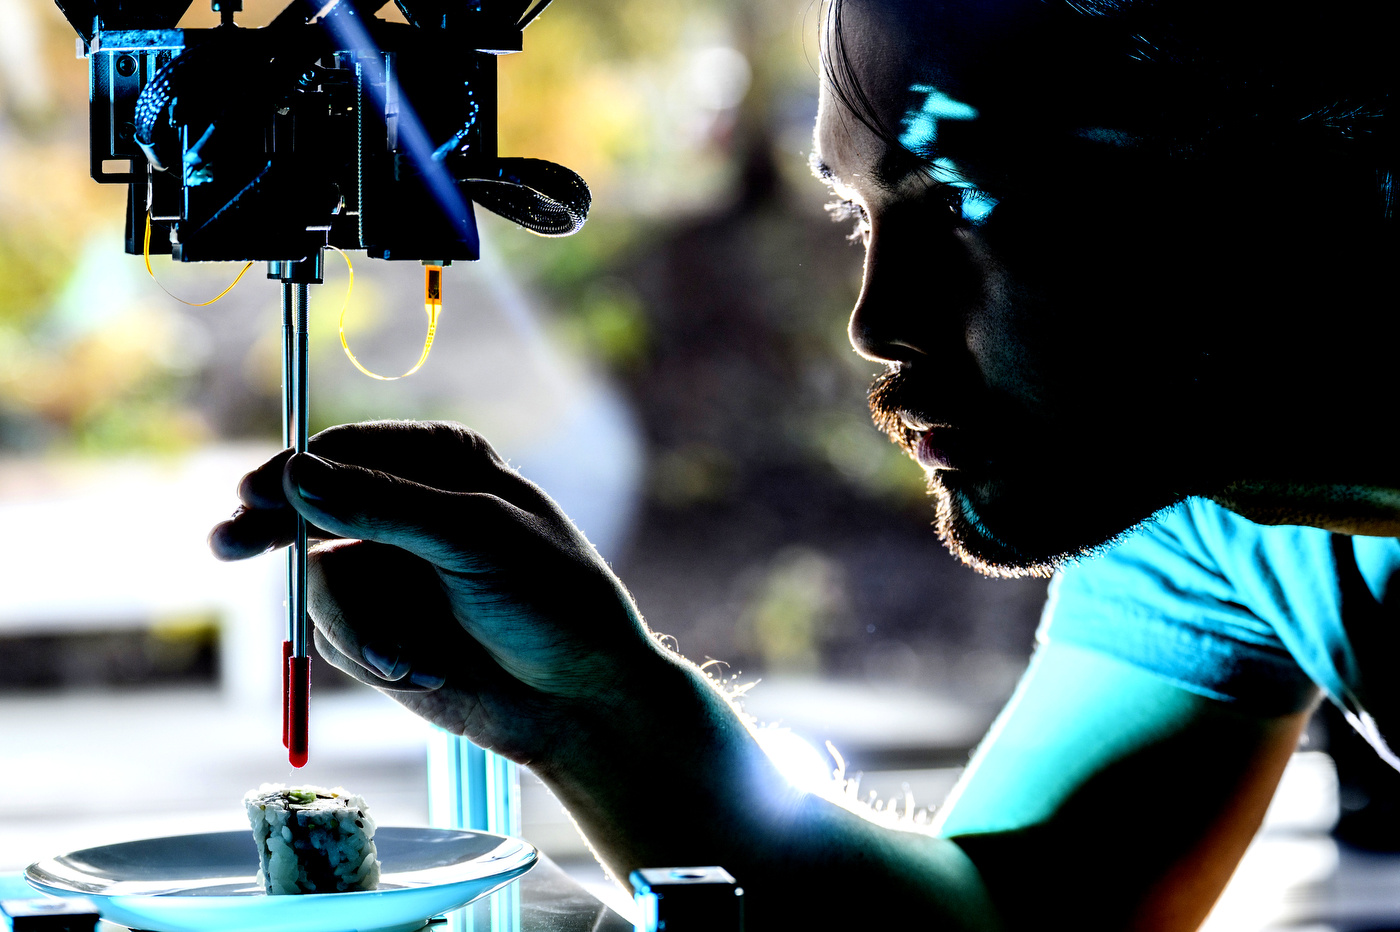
(679, 780)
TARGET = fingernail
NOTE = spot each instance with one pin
(310, 473)
(426, 680)
(386, 659)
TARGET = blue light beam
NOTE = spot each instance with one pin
(351, 35)
(921, 125)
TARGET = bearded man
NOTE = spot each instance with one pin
(1127, 265)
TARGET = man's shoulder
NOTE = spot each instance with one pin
(1187, 596)
(1200, 536)
(1287, 554)
(1175, 555)
(1198, 558)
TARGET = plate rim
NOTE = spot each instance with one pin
(526, 856)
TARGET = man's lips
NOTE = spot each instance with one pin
(939, 446)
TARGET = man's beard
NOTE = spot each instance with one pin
(1013, 517)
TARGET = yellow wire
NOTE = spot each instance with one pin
(432, 310)
(146, 253)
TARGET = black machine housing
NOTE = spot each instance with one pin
(329, 126)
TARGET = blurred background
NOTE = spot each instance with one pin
(676, 375)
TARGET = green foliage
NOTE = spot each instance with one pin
(150, 424)
(693, 474)
(567, 266)
(866, 458)
(32, 270)
(610, 322)
(793, 610)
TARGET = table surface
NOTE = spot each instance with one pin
(550, 901)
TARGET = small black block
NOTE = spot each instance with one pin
(47, 914)
(688, 899)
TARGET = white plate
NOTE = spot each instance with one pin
(207, 883)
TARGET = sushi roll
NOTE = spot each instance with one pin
(312, 840)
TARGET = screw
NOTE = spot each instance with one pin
(126, 66)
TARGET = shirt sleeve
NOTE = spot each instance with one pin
(1161, 600)
(1378, 558)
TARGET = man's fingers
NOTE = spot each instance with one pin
(344, 664)
(327, 649)
(254, 531)
(384, 612)
(251, 532)
(262, 488)
(387, 659)
(438, 454)
(265, 521)
(354, 502)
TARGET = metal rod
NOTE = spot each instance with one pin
(296, 662)
(290, 556)
(300, 402)
(299, 663)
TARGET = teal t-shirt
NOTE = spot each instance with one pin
(1227, 608)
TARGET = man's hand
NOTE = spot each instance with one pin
(461, 590)
(450, 581)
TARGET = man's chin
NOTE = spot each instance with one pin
(1030, 528)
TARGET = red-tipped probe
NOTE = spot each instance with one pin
(298, 705)
(286, 694)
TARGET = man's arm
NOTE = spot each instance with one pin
(1107, 794)
(682, 781)
(458, 588)
(1104, 795)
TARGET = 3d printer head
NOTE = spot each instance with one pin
(327, 127)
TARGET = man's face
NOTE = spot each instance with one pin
(1036, 285)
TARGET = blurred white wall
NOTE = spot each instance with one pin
(100, 545)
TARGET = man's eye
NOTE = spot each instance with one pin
(965, 201)
(970, 205)
(976, 206)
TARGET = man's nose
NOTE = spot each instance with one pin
(914, 293)
(875, 322)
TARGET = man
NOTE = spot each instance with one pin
(1118, 256)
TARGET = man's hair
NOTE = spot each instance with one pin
(1206, 80)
